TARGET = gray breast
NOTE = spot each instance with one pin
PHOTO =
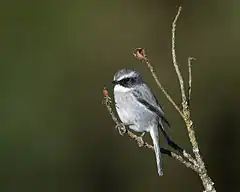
(131, 112)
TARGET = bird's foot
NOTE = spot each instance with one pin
(140, 140)
(121, 127)
(143, 133)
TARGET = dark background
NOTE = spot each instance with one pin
(56, 56)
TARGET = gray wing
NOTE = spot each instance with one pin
(145, 96)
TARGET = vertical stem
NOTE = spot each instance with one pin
(206, 180)
(174, 57)
(189, 79)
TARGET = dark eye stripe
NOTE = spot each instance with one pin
(127, 81)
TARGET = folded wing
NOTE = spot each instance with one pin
(145, 96)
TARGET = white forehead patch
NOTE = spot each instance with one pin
(131, 74)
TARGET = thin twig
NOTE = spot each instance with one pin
(195, 167)
(190, 78)
(161, 86)
(174, 57)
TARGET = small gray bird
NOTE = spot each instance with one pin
(138, 108)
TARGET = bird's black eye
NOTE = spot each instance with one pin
(127, 82)
(133, 80)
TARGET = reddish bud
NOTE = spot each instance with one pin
(139, 53)
(105, 92)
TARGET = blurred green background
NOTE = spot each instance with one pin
(56, 56)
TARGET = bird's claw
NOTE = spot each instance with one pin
(143, 133)
(140, 140)
(121, 128)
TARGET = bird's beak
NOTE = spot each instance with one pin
(114, 82)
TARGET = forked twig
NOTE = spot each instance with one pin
(186, 110)
(206, 180)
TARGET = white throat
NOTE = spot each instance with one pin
(120, 88)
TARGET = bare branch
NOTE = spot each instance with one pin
(186, 111)
(206, 180)
(190, 158)
(174, 57)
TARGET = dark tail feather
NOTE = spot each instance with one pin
(169, 141)
(165, 121)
